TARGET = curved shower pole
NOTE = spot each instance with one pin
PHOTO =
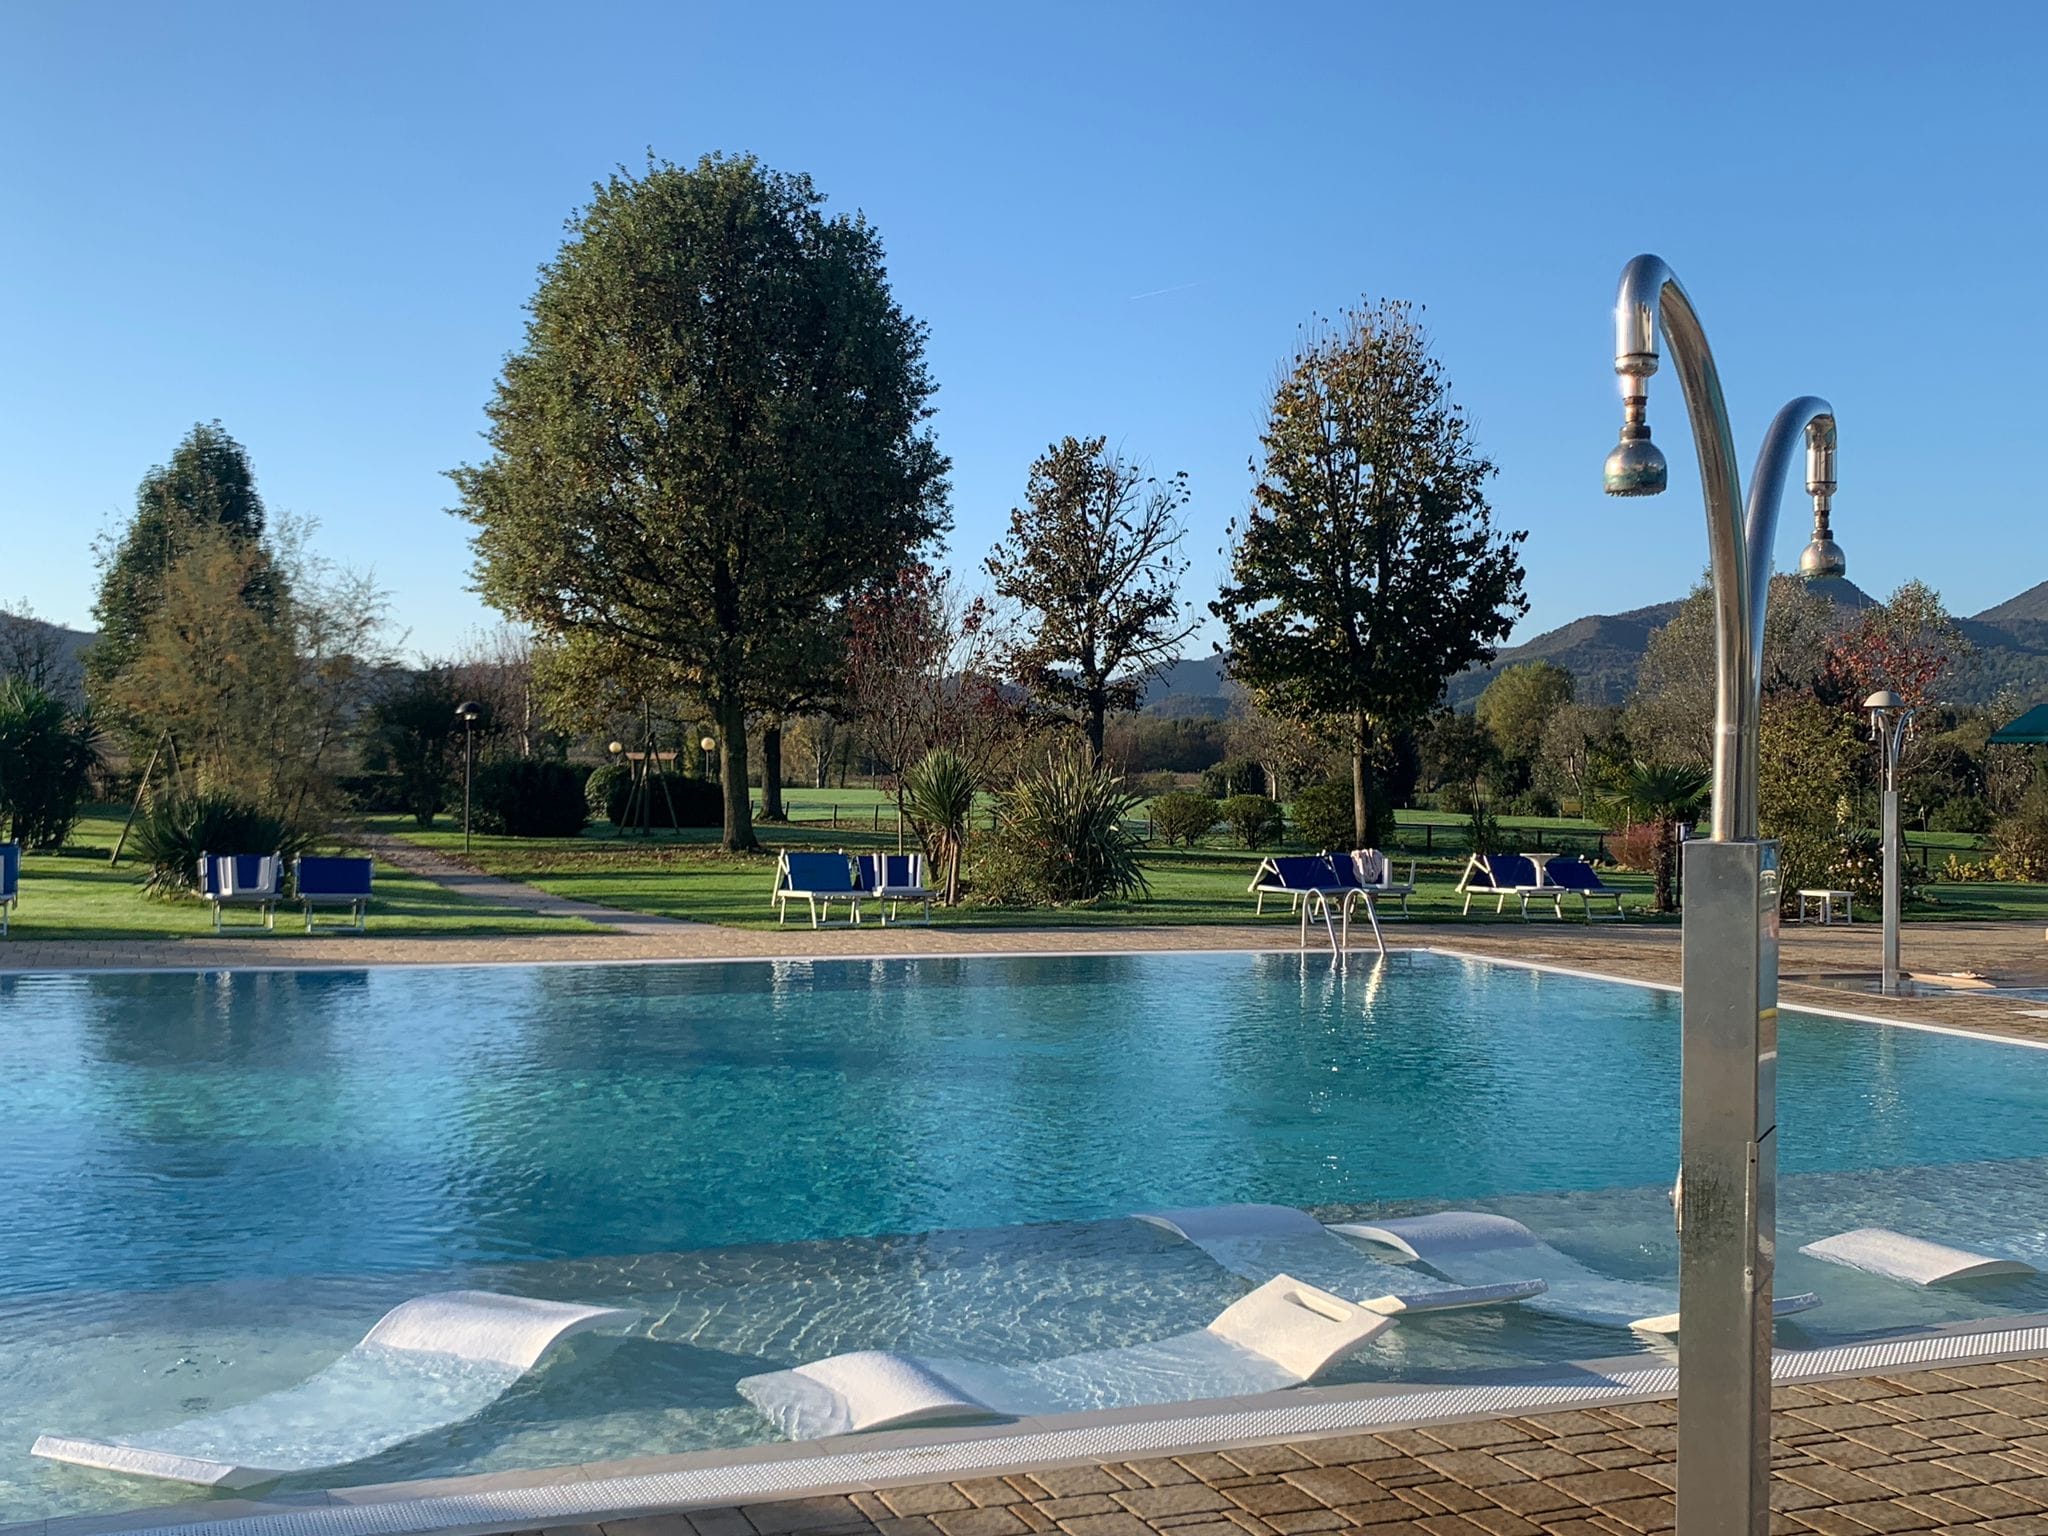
(1727, 1189)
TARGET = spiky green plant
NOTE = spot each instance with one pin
(1064, 834)
(938, 797)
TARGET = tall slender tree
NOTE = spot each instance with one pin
(208, 486)
(1367, 572)
(1093, 559)
(716, 430)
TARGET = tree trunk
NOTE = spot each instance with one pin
(1098, 708)
(1667, 866)
(732, 766)
(1361, 777)
(771, 772)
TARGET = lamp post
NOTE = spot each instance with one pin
(707, 745)
(1727, 1190)
(1890, 720)
(466, 712)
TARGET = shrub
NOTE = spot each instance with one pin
(1254, 820)
(46, 755)
(1533, 802)
(1322, 816)
(1233, 776)
(674, 799)
(529, 797)
(373, 793)
(1963, 813)
(171, 834)
(1634, 848)
(1181, 817)
(1482, 830)
(2019, 843)
(1062, 835)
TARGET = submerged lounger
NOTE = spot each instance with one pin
(1260, 1241)
(430, 1362)
(1911, 1259)
(1281, 1335)
(1475, 1248)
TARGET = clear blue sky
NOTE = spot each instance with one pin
(319, 224)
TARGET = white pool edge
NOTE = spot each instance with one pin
(582, 1494)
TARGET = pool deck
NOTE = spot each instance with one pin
(1962, 1447)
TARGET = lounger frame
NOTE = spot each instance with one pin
(1478, 864)
(357, 902)
(10, 882)
(888, 898)
(819, 901)
(264, 900)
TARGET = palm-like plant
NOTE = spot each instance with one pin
(1661, 794)
(938, 797)
(1067, 826)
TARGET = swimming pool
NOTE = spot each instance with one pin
(211, 1184)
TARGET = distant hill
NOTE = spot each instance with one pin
(29, 645)
(1193, 686)
(1603, 651)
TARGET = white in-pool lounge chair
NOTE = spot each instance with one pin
(1281, 1335)
(1881, 1251)
(1260, 1241)
(1476, 1248)
(430, 1362)
(818, 879)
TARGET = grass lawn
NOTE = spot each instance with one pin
(76, 895)
(684, 875)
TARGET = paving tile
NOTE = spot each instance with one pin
(1599, 1487)
(1919, 1476)
(791, 1515)
(1852, 1454)
(990, 1520)
(924, 1498)
(1301, 1522)
(1379, 1513)
(1646, 1514)
(1267, 1458)
(1837, 1483)
(1985, 1468)
(1449, 1498)
(1164, 1471)
(1989, 1501)
(907, 1525)
(2016, 1525)
(1187, 1498)
(1272, 1498)
(1061, 1482)
(1080, 1504)
(1840, 1416)
(983, 1491)
(1500, 1522)
(1535, 1500)
(1209, 1467)
(1475, 1469)
(1338, 1450)
(1450, 1525)
(1545, 1462)
(1334, 1485)
(730, 1522)
(1887, 1515)
(1477, 1434)
(1118, 1524)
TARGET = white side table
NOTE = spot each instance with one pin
(1825, 903)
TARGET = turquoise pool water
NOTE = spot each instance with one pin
(212, 1184)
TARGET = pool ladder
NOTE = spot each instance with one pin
(1337, 922)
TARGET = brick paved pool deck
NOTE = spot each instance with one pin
(1952, 1449)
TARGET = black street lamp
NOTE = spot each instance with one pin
(466, 712)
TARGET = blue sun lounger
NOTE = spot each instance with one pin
(1501, 875)
(329, 882)
(1569, 875)
(818, 879)
(241, 880)
(892, 878)
(10, 882)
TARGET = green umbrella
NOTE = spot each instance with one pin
(2030, 729)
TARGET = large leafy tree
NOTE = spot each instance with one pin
(207, 488)
(715, 430)
(1093, 560)
(1519, 703)
(1368, 571)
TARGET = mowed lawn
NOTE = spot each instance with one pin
(76, 894)
(684, 874)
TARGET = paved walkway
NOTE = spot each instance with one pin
(1953, 1450)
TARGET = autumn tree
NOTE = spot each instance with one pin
(715, 430)
(1670, 715)
(208, 487)
(1092, 559)
(1368, 571)
(1519, 702)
